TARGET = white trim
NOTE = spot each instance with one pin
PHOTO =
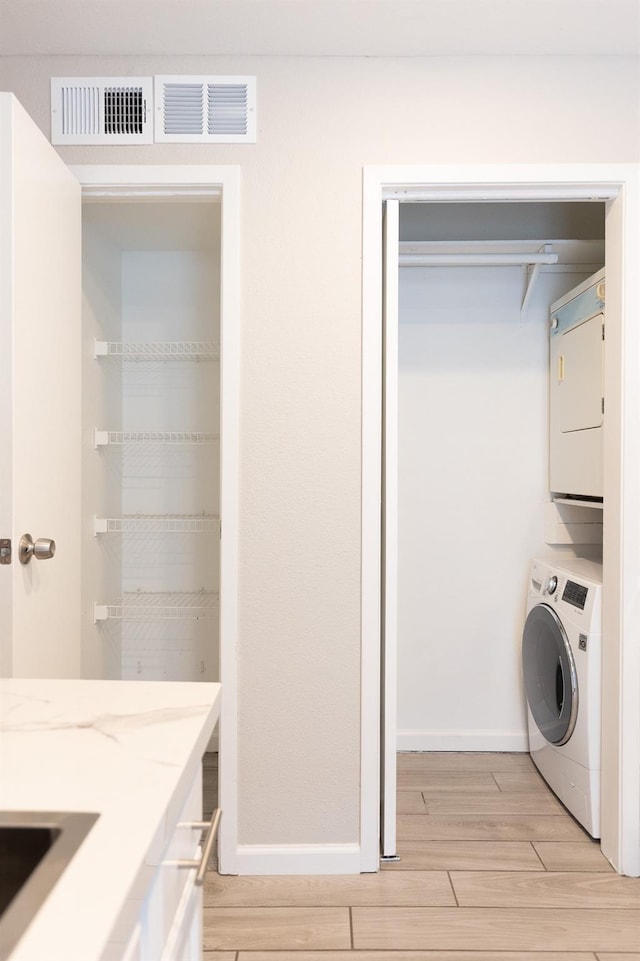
(229, 512)
(617, 183)
(621, 611)
(479, 741)
(389, 539)
(205, 181)
(299, 859)
(370, 523)
(167, 176)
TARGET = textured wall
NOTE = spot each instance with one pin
(320, 121)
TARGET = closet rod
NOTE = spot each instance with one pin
(476, 260)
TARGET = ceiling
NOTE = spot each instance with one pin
(320, 27)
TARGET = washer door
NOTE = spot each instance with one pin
(550, 679)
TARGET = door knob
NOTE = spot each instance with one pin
(41, 549)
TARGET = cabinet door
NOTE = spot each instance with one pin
(579, 383)
(40, 264)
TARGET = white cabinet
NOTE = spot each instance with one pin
(162, 920)
(172, 912)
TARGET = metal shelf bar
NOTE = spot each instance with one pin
(155, 606)
(158, 350)
(104, 438)
(160, 523)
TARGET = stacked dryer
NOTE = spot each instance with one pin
(562, 637)
(576, 394)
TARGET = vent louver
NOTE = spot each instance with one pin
(124, 110)
(92, 110)
(205, 109)
(183, 106)
(227, 108)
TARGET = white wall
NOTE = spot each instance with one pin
(473, 480)
(320, 121)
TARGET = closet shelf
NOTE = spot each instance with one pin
(160, 606)
(157, 523)
(158, 350)
(579, 502)
(104, 438)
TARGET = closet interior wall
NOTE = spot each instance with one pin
(473, 469)
(151, 414)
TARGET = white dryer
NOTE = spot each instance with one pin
(561, 660)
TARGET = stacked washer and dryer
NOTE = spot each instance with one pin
(562, 637)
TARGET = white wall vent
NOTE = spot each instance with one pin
(205, 109)
(101, 110)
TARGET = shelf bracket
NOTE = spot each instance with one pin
(100, 613)
(532, 272)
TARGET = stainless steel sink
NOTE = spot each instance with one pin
(35, 848)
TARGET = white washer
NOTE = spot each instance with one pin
(561, 660)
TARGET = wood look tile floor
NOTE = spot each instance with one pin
(492, 869)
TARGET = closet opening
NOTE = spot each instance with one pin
(159, 432)
(474, 500)
(468, 458)
(151, 416)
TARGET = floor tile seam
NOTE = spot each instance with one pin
(460, 796)
(457, 792)
(342, 905)
(557, 875)
(493, 870)
(514, 909)
(543, 906)
(453, 890)
(537, 854)
(497, 783)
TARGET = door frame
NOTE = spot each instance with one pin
(618, 186)
(202, 181)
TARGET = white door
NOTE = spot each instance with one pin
(390, 251)
(40, 264)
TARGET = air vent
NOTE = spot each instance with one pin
(101, 110)
(205, 109)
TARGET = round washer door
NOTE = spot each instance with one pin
(550, 678)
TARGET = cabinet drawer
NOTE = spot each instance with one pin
(184, 941)
(170, 879)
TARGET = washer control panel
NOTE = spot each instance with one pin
(575, 594)
(577, 590)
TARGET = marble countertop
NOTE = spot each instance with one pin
(126, 750)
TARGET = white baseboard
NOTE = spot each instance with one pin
(299, 859)
(412, 740)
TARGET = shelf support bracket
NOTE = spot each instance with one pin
(532, 271)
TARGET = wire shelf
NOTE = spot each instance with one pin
(160, 606)
(105, 438)
(158, 350)
(158, 523)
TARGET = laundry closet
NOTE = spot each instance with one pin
(151, 432)
(475, 503)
